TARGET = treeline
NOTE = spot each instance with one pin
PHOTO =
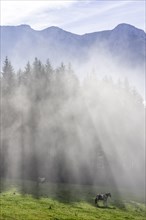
(54, 126)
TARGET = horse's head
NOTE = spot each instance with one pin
(108, 194)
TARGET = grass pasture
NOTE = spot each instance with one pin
(63, 201)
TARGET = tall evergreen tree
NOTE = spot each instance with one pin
(8, 71)
(8, 74)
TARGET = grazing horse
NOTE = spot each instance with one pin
(102, 197)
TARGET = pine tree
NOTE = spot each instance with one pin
(38, 69)
(8, 76)
(8, 71)
(48, 68)
(27, 73)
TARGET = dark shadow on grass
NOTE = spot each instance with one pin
(103, 207)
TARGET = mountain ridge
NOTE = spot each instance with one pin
(121, 25)
(22, 43)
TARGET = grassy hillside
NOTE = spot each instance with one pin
(29, 201)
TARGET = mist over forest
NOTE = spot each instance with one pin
(73, 110)
(55, 126)
(119, 52)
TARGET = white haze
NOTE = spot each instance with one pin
(100, 119)
(96, 60)
(73, 133)
(102, 64)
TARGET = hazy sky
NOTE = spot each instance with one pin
(77, 16)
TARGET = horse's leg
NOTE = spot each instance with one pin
(104, 203)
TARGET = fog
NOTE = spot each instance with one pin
(69, 129)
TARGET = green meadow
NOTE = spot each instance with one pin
(29, 201)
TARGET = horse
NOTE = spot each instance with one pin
(102, 197)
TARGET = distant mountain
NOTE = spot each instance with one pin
(22, 43)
